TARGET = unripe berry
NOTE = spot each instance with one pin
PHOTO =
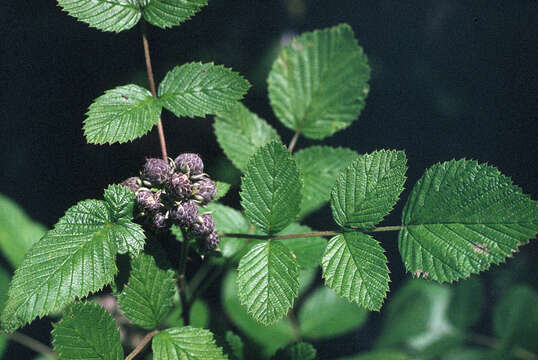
(159, 220)
(148, 201)
(132, 183)
(179, 185)
(189, 163)
(204, 226)
(185, 214)
(156, 171)
(212, 241)
(204, 190)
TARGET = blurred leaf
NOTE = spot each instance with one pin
(199, 314)
(229, 220)
(466, 303)
(4, 285)
(168, 13)
(186, 343)
(235, 344)
(379, 355)
(308, 250)
(299, 351)
(468, 354)
(222, 189)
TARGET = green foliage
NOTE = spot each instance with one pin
(368, 189)
(240, 133)
(121, 114)
(87, 331)
(168, 13)
(267, 281)
(380, 355)
(235, 344)
(147, 298)
(460, 218)
(196, 89)
(271, 188)
(299, 351)
(466, 303)
(186, 343)
(355, 267)
(307, 250)
(17, 231)
(222, 189)
(319, 82)
(229, 220)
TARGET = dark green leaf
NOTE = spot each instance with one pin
(168, 13)
(235, 345)
(466, 303)
(379, 355)
(186, 343)
(299, 351)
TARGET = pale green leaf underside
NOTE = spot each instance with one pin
(319, 166)
(186, 343)
(460, 218)
(271, 188)
(197, 90)
(120, 115)
(168, 13)
(318, 84)
(87, 331)
(222, 189)
(148, 296)
(307, 250)
(368, 189)
(240, 133)
(355, 267)
(268, 281)
(106, 15)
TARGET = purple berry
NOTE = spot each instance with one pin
(156, 171)
(212, 241)
(189, 163)
(205, 190)
(204, 226)
(159, 220)
(148, 200)
(180, 185)
(185, 213)
(132, 183)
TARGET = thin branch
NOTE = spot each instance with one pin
(152, 87)
(33, 344)
(142, 344)
(389, 228)
(294, 140)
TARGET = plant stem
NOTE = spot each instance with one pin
(294, 326)
(182, 284)
(389, 228)
(294, 140)
(142, 344)
(152, 87)
(33, 344)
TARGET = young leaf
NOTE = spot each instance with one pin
(87, 331)
(355, 267)
(368, 189)
(460, 218)
(271, 188)
(109, 15)
(299, 351)
(186, 343)
(240, 133)
(168, 13)
(147, 298)
(308, 250)
(235, 345)
(197, 89)
(319, 166)
(267, 281)
(229, 220)
(222, 189)
(120, 201)
(121, 114)
(318, 84)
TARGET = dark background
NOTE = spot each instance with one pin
(450, 79)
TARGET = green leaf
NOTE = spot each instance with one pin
(315, 322)
(87, 331)
(121, 114)
(229, 220)
(379, 355)
(168, 13)
(148, 296)
(240, 133)
(460, 218)
(299, 351)
(469, 354)
(222, 189)
(106, 15)
(268, 281)
(186, 343)
(355, 267)
(368, 189)
(196, 89)
(318, 84)
(4, 286)
(73, 259)
(308, 250)
(319, 166)
(18, 232)
(466, 303)
(120, 201)
(235, 345)
(271, 188)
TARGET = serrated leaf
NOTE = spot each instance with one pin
(121, 114)
(168, 13)
(87, 331)
(73, 259)
(18, 232)
(268, 281)
(367, 190)
(222, 189)
(240, 133)
(355, 267)
(307, 250)
(196, 89)
(319, 166)
(148, 296)
(271, 188)
(106, 15)
(186, 343)
(460, 218)
(315, 322)
(120, 201)
(235, 345)
(319, 82)
(299, 351)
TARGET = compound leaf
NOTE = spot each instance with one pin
(307, 250)
(460, 218)
(240, 133)
(355, 267)
(168, 13)
(186, 343)
(87, 331)
(271, 188)
(368, 189)
(318, 84)
(299, 351)
(196, 89)
(121, 114)
(268, 281)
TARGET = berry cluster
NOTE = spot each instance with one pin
(169, 193)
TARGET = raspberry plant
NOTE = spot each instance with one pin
(460, 218)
